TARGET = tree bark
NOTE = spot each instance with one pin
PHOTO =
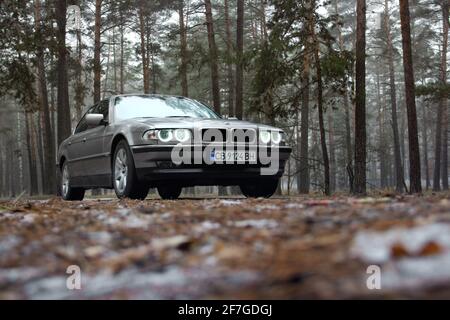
(144, 53)
(348, 137)
(48, 144)
(230, 74)
(114, 61)
(444, 99)
(122, 55)
(213, 57)
(382, 142)
(183, 51)
(360, 105)
(323, 142)
(63, 116)
(240, 62)
(414, 152)
(303, 176)
(331, 143)
(399, 177)
(97, 51)
(425, 146)
(79, 86)
(31, 144)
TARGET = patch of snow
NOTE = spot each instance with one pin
(294, 205)
(417, 272)
(375, 247)
(258, 224)
(29, 218)
(206, 226)
(172, 283)
(230, 202)
(263, 207)
(8, 243)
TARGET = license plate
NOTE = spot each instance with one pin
(233, 156)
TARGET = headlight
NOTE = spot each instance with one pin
(276, 137)
(182, 135)
(264, 136)
(150, 135)
(165, 135)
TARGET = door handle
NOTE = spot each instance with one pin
(84, 139)
(70, 143)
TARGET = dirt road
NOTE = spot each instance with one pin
(294, 247)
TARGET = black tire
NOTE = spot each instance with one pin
(262, 189)
(68, 192)
(169, 192)
(125, 182)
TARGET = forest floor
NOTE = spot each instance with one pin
(194, 248)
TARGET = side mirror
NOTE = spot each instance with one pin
(94, 119)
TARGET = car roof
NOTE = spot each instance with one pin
(148, 95)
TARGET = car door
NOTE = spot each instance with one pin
(96, 163)
(76, 150)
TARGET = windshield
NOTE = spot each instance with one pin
(128, 107)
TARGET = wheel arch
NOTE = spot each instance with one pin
(119, 137)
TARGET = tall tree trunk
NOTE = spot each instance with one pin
(105, 82)
(230, 74)
(382, 142)
(63, 117)
(240, 62)
(303, 176)
(40, 147)
(360, 103)
(79, 86)
(444, 100)
(10, 166)
(348, 137)
(2, 174)
(97, 49)
(425, 146)
(183, 51)
(49, 148)
(213, 57)
(331, 143)
(144, 53)
(122, 57)
(31, 144)
(399, 178)
(116, 89)
(323, 142)
(414, 152)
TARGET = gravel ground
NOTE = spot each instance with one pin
(233, 248)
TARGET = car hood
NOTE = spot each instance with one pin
(165, 123)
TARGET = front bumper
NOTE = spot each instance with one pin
(154, 165)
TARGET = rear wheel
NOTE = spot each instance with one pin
(263, 189)
(169, 192)
(126, 184)
(67, 191)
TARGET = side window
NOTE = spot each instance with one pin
(103, 108)
(82, 125)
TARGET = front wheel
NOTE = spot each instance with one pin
(169, 192)
(262, 189)
(126, 184)
(67, 191)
